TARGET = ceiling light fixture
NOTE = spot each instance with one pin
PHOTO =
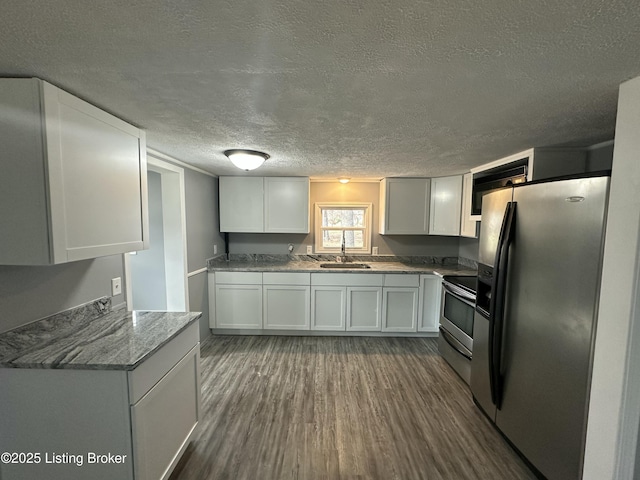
(344, 180)
(246, 159)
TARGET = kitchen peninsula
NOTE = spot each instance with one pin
(99, 394)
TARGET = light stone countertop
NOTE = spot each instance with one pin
(78, 339)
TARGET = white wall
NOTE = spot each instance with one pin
(614, 410)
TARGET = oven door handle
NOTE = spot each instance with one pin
(453, 343)
(460, 294)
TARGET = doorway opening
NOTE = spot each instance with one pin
(156, 279)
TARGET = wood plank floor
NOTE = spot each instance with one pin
(339, 408)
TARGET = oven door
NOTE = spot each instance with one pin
(456, 315)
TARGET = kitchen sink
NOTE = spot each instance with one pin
(344, 265)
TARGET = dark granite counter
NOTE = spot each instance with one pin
(91, 337)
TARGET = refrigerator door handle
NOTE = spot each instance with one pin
(497, 303)
(498, 312)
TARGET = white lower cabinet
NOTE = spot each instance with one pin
(163, 420)
(429, 303)
(238, 300)
(400, 303)
(364, 309)
(399, 309)
(347, 301)
(328, 308)
(286, 307)
(238, 306)
(331, 302)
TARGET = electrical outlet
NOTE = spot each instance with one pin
(375, 250)
(116, 286)
(309, 250)
(215, 249)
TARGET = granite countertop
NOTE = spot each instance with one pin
(115, 340)
(314, 267)
(311, 264)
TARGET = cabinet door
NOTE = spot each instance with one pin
(404, 206)
(165, 418)
(364, 308)
(328, 308)
(286, 307)
(241, 204)
(95, 175)
(75, 186)
(429, 305)
(467, 226)
(286, 204)
(446, 199)
(238, 306)
(399, 309)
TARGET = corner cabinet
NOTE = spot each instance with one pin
(74, 180)
(446, 201)
(404, 206)
(264, 204)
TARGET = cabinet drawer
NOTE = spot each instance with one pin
(149, 372)
(398, 280)
(239, 278)
(164, 420)
(286, 278)
(348, 279)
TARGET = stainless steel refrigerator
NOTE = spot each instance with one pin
(539, 270)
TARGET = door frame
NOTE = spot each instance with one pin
(175, 236)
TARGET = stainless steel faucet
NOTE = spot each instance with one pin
(343, 248)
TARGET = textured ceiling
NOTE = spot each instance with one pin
(360, 88)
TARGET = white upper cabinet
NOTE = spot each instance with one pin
(74, 181)
(264, 204)
(241, 204)
(446, 199)
(467, 225)
(404, 206)
(286, 204)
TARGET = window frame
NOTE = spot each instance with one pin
(367, 229)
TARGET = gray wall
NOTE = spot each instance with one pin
(468, 248)
(203, 231)
(30, 293)
(352, 192)
(147, 266)
(600, 157)
(203, 225)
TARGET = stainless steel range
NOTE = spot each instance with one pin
(456, 323)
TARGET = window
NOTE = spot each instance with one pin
(333, 220)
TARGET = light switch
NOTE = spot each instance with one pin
(116, 286)
(374, 250)
(215, 249)
(309, 250)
